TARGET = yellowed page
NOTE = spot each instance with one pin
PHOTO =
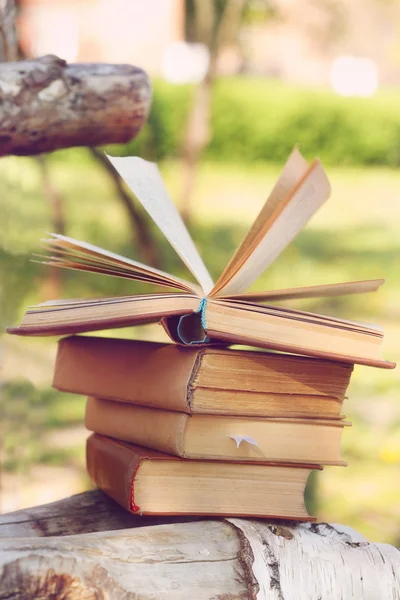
(308, 197)
(144, 179)
(294, 331)
(293, 440)
(77, 254)
(121, 273)
(313, 291)
(294, 169)
(60, 318)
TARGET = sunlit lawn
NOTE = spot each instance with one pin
(356, 235)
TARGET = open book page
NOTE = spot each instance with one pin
(294, 331)
(300, 315)
(295, 168)
(103, 301)
(145, 181)
(289, 219)
(77, 316)
(312, 291)
(69, 253)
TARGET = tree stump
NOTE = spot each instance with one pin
(88, 548)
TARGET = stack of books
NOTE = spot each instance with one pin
(195, 427)
(204, 430)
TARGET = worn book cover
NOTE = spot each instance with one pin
(148, 482)
(201, 380)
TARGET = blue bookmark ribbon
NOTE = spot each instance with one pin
(202, 311)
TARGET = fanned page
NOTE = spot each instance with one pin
(69, 253)
(144, 179)
(295, 168)
(312, 291)
(286, 221)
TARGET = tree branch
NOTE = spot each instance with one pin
(46, 104)
(45, 553)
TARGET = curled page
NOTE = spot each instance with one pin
(145, 181)
(243, 438)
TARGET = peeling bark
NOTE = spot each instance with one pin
(223, 559)
(46, 104)
(319, 561)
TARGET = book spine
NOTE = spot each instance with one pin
(112, 468)
(148, 427)
(155, 375)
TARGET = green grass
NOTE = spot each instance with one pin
(354, 236)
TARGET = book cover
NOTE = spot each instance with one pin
(205, 379)
(148, 482)
(212, 437)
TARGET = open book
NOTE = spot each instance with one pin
(207, 311)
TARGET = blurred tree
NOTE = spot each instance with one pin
(217, 24)
(220, 23)
(130, 102)
(11, 51)
(214, 23)
(8, 33)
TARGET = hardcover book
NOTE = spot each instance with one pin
(201, 380)
(148, 482)
(211, 437)
(203, 312)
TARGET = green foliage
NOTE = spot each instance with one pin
(259, 119)
(162, 135)
(27, 413)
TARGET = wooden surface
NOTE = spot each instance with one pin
(115, 555)
(83, 513)
(46, 104)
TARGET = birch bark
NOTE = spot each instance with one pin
(182, 559)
